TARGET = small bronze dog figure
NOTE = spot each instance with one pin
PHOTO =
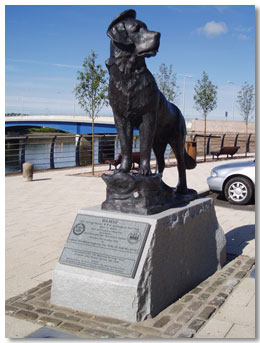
(137, 102)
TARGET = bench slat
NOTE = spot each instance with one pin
(225, 150)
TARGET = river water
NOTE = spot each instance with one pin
(38, 153)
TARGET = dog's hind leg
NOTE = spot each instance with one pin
(189, 161)
(159, 150)
(179, 151)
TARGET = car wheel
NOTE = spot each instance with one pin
(238, 190)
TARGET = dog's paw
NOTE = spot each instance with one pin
(144, 171)
(181, 190)
(122, 170)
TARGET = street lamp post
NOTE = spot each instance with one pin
(184, 90)
(74, 101)
(231, 82)
(22, 105)
(74, 105)
(59, 101)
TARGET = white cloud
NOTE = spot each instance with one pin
(222, 8)
(45, 63)
(66, 65)
(11, 69)
(241, 28)
(40, 104)
(242, 36)
(213, 29)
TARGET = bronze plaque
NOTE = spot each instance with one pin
(105, 244)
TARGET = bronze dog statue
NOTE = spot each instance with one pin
(137, 102)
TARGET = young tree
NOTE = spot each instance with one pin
(167, 84)
(91, 91)
(205, 99)
(245, 99)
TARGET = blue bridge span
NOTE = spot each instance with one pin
(73, 124)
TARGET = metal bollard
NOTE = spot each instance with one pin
(28, 171)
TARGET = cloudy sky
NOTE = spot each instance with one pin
(45, 47)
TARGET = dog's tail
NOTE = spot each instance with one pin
(189, 161)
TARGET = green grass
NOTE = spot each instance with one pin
(42, 129)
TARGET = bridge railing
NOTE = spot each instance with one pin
(68, 150)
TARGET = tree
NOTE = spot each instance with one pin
(166, 81)
(205, 99)
(91, 91)
(245, 99)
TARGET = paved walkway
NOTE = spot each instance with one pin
(39, 216)
(236, 318)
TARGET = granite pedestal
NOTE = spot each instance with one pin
(131, 266)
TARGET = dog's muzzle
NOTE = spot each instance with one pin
(150, 44)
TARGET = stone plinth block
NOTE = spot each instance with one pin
(130, 266)
(133, 193)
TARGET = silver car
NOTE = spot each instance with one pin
(235, 180)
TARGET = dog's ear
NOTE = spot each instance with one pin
(116, 30)
(119, 34)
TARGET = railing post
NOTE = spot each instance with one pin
(52, 166)
(208, 143)
(248, 144)
(23, 152)
(222, 141)
(235, 143)
(101, 148)
(135, 140)
(78, 139)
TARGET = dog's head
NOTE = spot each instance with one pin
(132, 35)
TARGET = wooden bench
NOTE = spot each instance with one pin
(115, 163)
(225, 150)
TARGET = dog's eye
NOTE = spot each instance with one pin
(134, 28)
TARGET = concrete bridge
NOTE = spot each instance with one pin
(73, 124)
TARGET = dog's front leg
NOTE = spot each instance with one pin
(125, 134)
(178, 149)
(147, 130)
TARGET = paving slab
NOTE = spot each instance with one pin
(51, 334)
(241, 331)
(236, 318)
(18, 328)
(215, 329)
(239, 227)
(245, 293)
(236, 314)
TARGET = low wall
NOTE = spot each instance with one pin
(220, 126)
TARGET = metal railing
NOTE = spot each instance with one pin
(245, 142)
(67, 150)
